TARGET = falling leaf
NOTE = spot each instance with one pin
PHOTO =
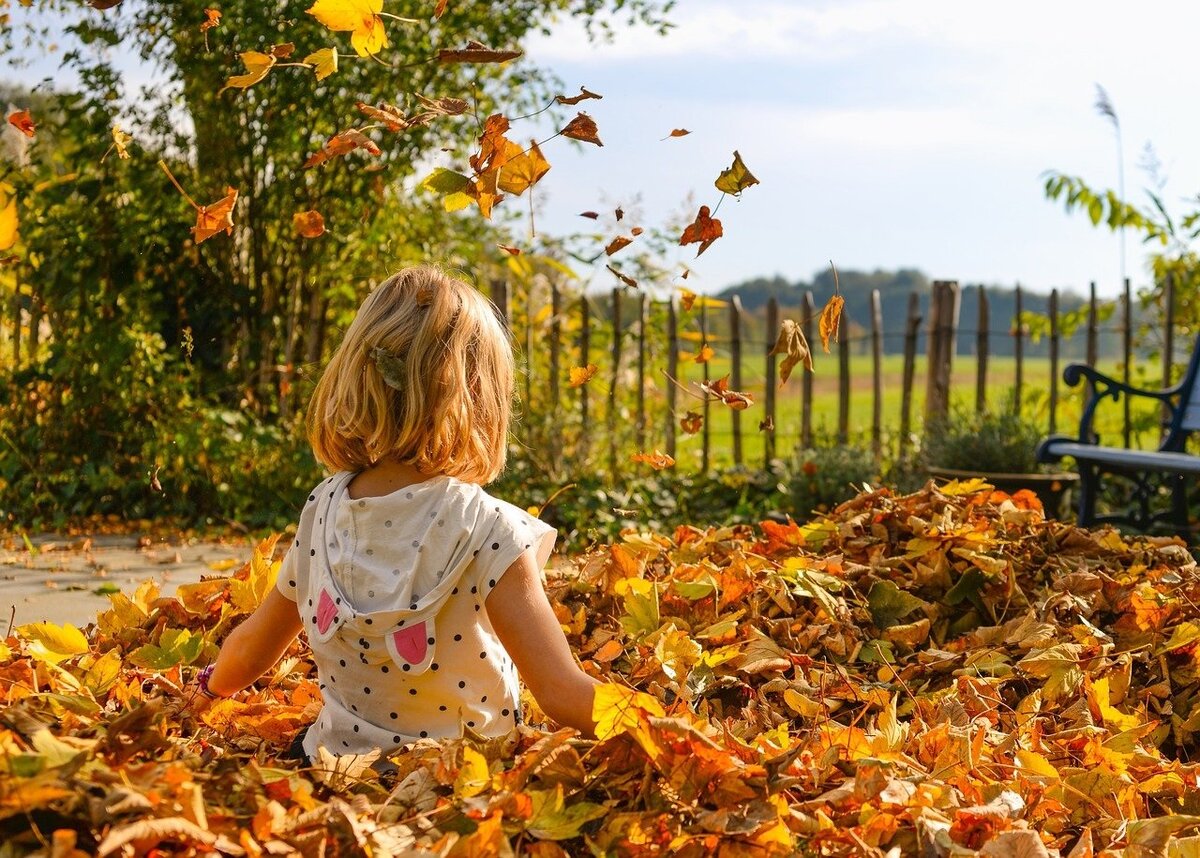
(212, 18)
(257, 65)
(391, 116)
(582, 127)
(791, 342)
(678, 132)
(8, 216)
(23, 122)
(619, 214)
(581, 375)
(475, 52)
(359, 17)
(658, 461)
(624, 278)
(439, 8)
(616, 244)
(121, 142)
(705, 354)
(636, 231)
(215, 217)
(766, 425)
(691, 422)
(340, 144)
(155, 485)
(831, 317)
(511, 251)
(309, 224)
(735, 399)
(686, 298)
(736, 178)
(584, 94)
(324, 62)
(456, 190)
(95, 4)
(523, 171)
(590, 215)
(704, 229)
(444, 106)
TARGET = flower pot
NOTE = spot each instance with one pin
(1052, 489)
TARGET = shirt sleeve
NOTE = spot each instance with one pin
(511, 533)
(285, 582)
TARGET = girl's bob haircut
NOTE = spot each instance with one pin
(424, 376)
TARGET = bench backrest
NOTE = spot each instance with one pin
(1189, 403)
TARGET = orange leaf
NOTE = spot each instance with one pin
(212, 18)
(624, 278)
(686, 298)
(584, 94)
(512, 251)
(831, 317)
(582, 127)
(678, 132)
(215, 217)
(581, 375)
(791, 342)
(636, 231)
(476, 52)
(705, 354)
(610, 651)
(704, 229)
(391, 116)
(691, 422)
(439, 8)
(340, 144)
(23, 122)
(523, 171)
(656, 460)
(309, 224)
(616, 244)
(736, 399)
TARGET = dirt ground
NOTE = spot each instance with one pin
(64, 580)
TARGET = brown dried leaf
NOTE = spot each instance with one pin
(791, 342)
(584, 94)
(582, 127)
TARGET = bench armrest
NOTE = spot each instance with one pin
(1102, 386)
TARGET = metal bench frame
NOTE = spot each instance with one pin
(1169, 466)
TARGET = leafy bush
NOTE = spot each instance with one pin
(823, 477)
(988, 442)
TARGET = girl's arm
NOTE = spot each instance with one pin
(252, 648)
(522, 617)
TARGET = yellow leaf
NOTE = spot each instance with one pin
(51, 643)
(831, 317)
(257, 65)
(8, 216)
(581, 375)
(324, 62)
(1113, 717)
(617, 709)
(1034, 763)
(359, 17)
(704, 355)
(473, 776)
(522, 172)
(735, 179)
(802, 705)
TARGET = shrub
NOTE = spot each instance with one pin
(987, 442)
(823, 477)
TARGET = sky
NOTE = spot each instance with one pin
(885, 133)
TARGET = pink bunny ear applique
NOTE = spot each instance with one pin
(411, 644)
(326, 612)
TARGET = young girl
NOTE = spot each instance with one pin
(420, 593)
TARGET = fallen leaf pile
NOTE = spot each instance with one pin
(941, 673)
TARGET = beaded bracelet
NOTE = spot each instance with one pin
(202, 682)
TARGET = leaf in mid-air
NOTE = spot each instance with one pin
(309, 224)
(584, 94)
(738, 400)
(359, 17)
(439, 8)
(523, 171)
(590, 215)
(8, 216)
(121, 142)
(257, 65)
(624, 278)
(476, 52)
(215, 217)
(831, 317)
(582, 127)
(581, 375)
(616, 244)
(677, 132)
(509, 249)
(691, 422)
(656, 460)
(791, 342)
(705, 229)
(686, 298)
(705, 354)
(23, 122)
(392, 117)
(736, 178)
(324, 62)
(340, 144)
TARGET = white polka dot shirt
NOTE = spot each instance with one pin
(391, 592)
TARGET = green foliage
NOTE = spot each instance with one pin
(823, 477)
(992, 442)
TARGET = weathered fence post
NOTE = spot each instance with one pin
(1018, 332)
(943, 334)
(769, 399)
(1168, 352)
(555, 438)
(585, 349)
(612, 384)
(806, 386)
(981, 352)
(912, 328)
(706, 434)
(1127, 357)
(672, 370)
(641, 373)
(735, 358)
(843, 432)
(1052, 311)
(877, 377)
(499, 290)
(529, 347)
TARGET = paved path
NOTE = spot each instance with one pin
(58, 580)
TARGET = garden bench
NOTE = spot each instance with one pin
(1170, 466)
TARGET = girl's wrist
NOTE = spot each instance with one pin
(202, 679)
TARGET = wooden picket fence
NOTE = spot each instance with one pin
(640, 361)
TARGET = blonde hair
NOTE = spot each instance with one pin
(439, 394)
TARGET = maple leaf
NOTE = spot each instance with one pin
(582, 127)
(705, 354)
(212, 18)
(616, 244)
(340, 144)
(324, 62)
(257, 66)
(687, 298)
(791, 342)
(391, 116)
(735, 399)
(476, 52)
(581, 375)
(691, 422)
(831, 317)
(456, 190)
(8, 216)
(359, 17)
(624, 278)
(656, 460)
(736, 178)
(704, 229)
(215, 217)
(521, 172)
(309, 224)
(23, 122)
(584, 94)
